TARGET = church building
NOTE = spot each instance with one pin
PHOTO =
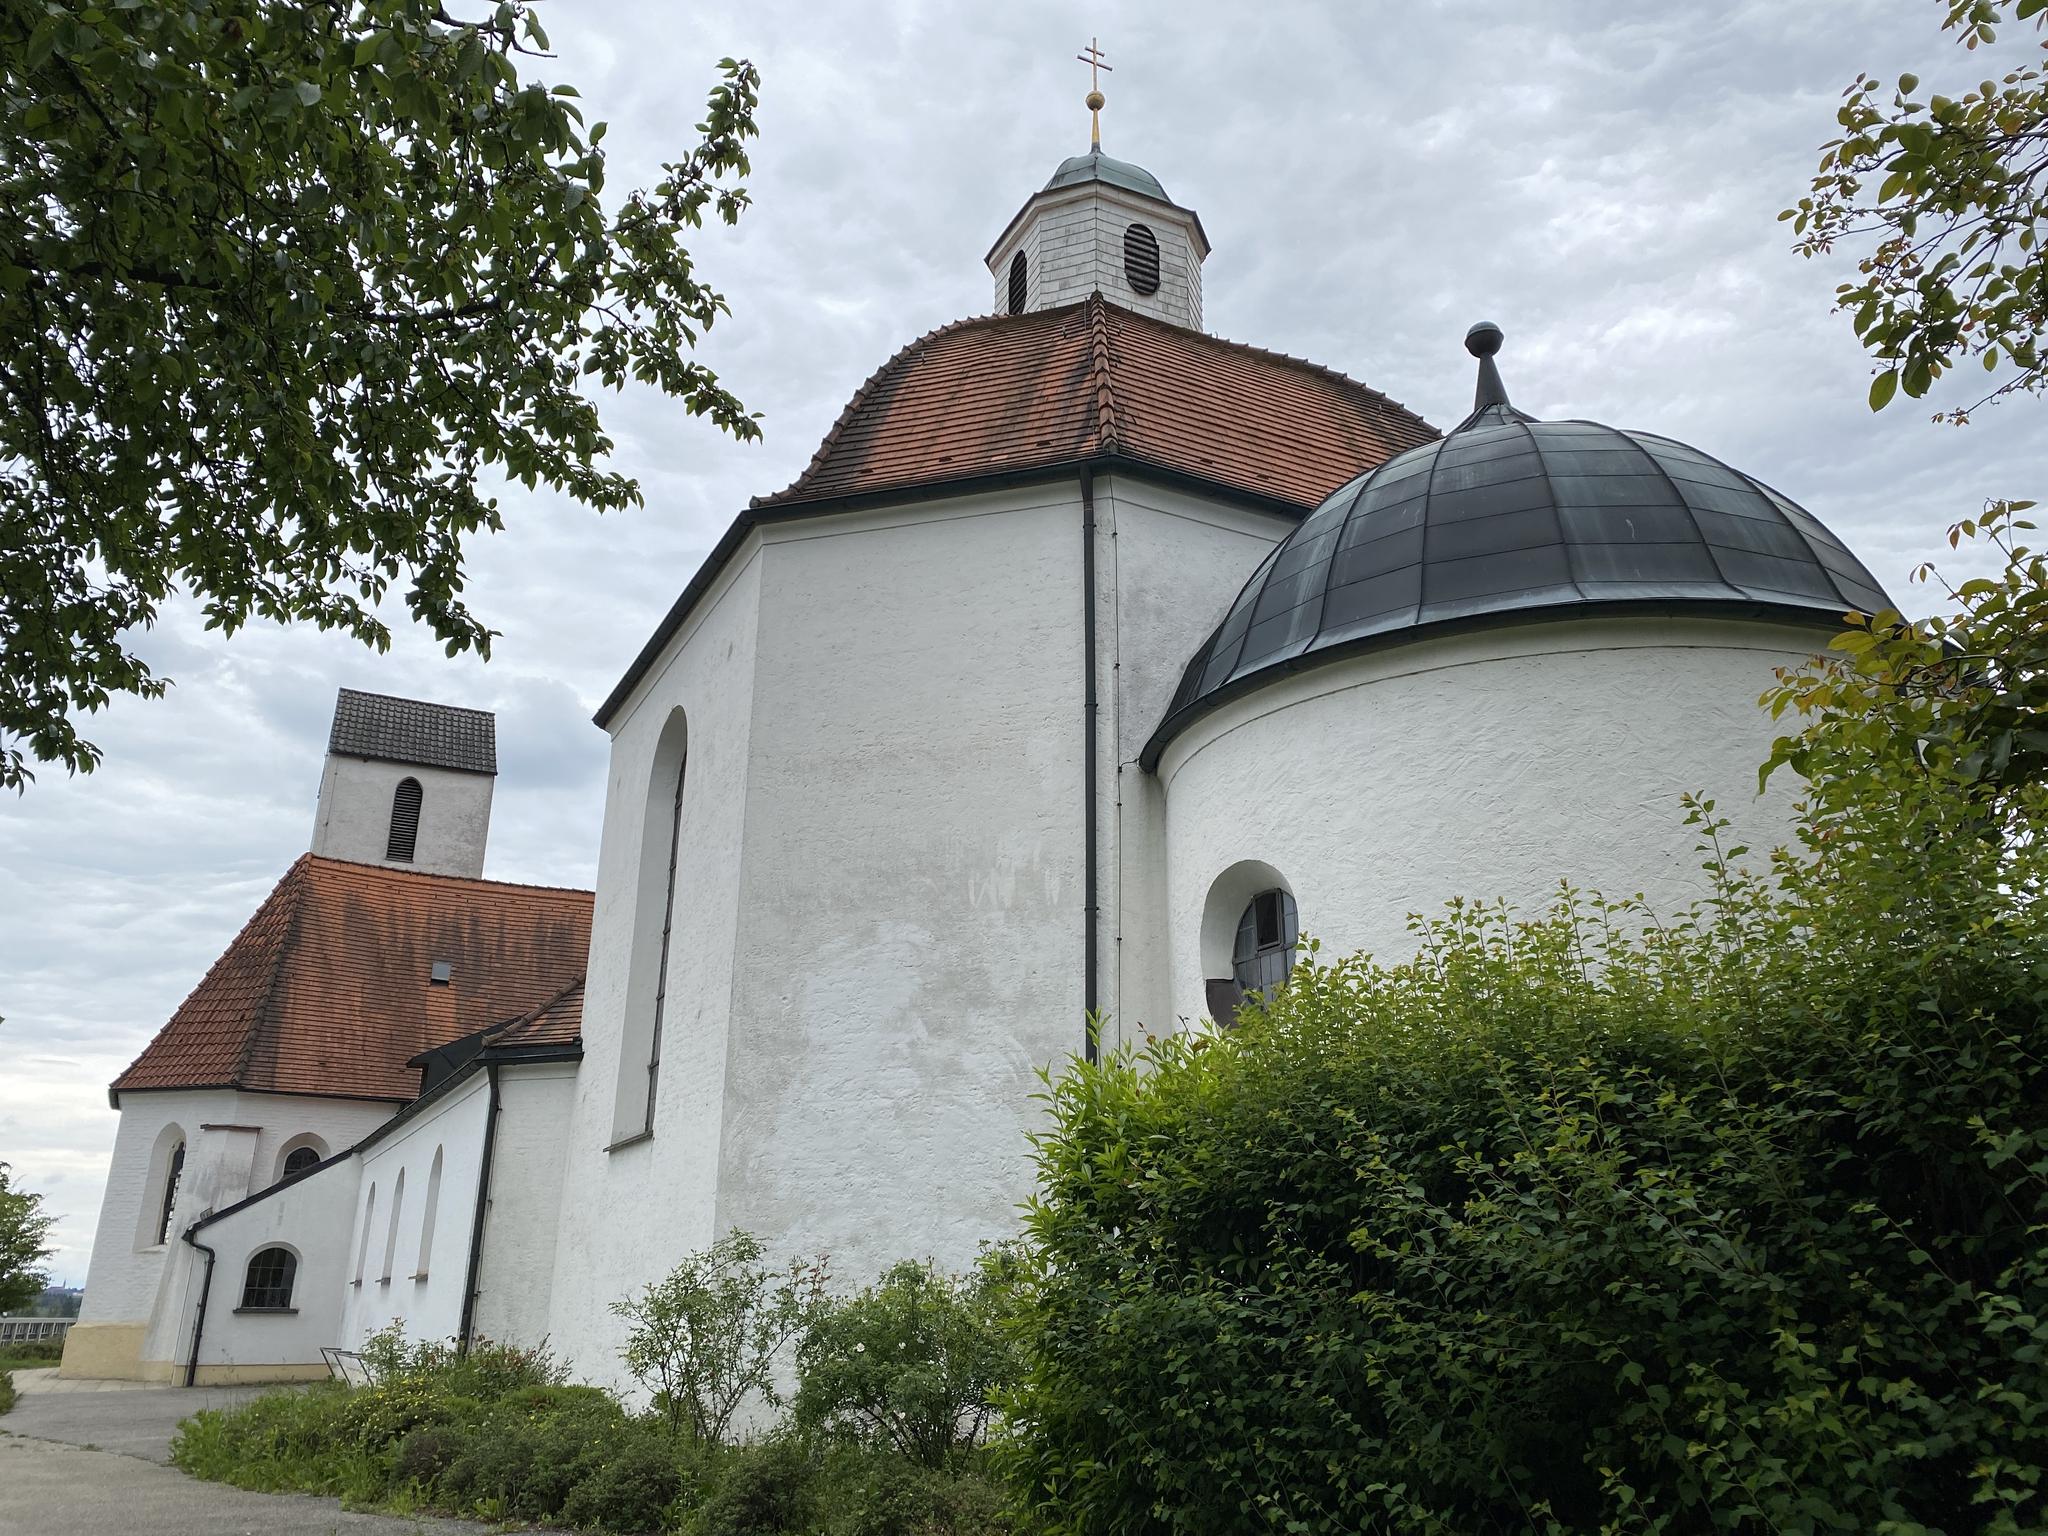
(1091, 662)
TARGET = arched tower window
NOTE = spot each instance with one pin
(1017, 283)
(1266, 935)
(174, 1174)
(419, 1271)
(300, 1160)
(267, 1287)
(405, 821)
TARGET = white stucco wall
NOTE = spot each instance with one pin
(353, 817)
(515, 1281)
(1073, 244)
(311, 1219)
(879, 922)
(146, 1288)
(910, 936)
(1168, 563)
(1489, 765)
(629, 1215)
(381, 1282)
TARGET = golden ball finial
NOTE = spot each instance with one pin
(1094, 101)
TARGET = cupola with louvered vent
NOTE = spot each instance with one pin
(1103, 226)
(407, 784)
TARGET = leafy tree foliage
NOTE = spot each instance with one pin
(281, 283)
(1961, 698)
(1959, 216)
(1600, 1222)
(709, 1335)
(23, 1227)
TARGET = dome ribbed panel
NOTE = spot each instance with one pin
(1509, 518)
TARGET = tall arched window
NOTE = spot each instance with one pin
(174, 1174)
(1017, 284)
(391, 1231)
(654, 921)
(1266, 935)
(405, 821)
(419, 1270)
(363, 1247)
(267, 1287)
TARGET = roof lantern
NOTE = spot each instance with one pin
(1508, 519)
(1101, 226)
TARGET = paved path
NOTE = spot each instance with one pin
(76, 1459)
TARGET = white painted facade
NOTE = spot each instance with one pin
(352, 820)
(140, 1293)
(1490, 765)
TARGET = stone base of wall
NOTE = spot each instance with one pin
(104, 1352)
(244, 1375)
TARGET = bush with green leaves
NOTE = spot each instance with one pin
(710, 1335)
(1734, 1220)
(909, 1363)
(6, 1391)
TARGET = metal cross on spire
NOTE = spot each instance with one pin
(1092, 56)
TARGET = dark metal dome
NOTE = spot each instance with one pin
(1508, 519)
(1096, 166)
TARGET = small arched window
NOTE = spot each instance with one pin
(405, 821)
(300, 1160)
(1017, 284)
(1266, 935)
(433, 1209)
(1141, 259)
(268, 1285)
(363, 1247)
(391, 1231)
(173, 1174)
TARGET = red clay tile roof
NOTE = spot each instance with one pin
(558, 1021)
(1058, 386)
(326, 990)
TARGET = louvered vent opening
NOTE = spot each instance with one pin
(1017, 284)
(1141, 259)
(405, 821)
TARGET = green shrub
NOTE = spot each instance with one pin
(426, 1452)
(1739, 1227)
(708, 1335)
(522, 1468)
(767, 1488)
(863, 1492)
(633, 1486)
(909, 1363)
(6, 1391)
(485, 1370)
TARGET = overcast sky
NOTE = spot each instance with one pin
(1602, 180)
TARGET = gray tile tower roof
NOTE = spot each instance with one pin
(413, 731)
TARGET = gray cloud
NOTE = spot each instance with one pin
(1602, 179)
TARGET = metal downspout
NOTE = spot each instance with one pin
(476, 1227)
(198, 1322)
(1090, 905)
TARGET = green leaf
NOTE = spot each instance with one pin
(1882, 388)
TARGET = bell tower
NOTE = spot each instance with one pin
(1103, 226)
(407, 785)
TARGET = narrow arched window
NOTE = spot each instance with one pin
(1266, 935)
(657, 903)
(427, 1217)
(405, 821)
(363, 1248)
(1017, 276)
(173, 1175)
(268, 1285)
(391, 1231)
(300, 1160)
